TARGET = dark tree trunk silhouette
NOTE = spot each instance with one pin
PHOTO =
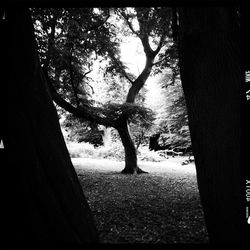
(47, 206)
(153, 142)
(131, 166)
(210, 66)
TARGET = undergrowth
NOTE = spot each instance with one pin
(114, 151)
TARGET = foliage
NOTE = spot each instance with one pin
(80, 49)
(80, 130)
(155, 24)
(69, 39)
(144, 154)
(81, 150)
(109, 88)
(135, 112)
(176, 123)
(171, 116)
(114, 151)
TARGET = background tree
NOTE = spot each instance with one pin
(47, 205)
(174, 120)
(171, 132)
(92, 35)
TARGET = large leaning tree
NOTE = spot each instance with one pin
(71, 39)
(47, 207)
(210, 67)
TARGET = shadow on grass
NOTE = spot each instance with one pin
(152, 208)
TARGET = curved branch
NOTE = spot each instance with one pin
(162, 39)
(86, 73)
(120, 65)
(127, 77)
(92, 89)
(95, 27)
(146, 46)
(129, 23)
(79, 112)
(159, 62)
(140, 81)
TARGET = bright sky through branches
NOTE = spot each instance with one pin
(132, 55)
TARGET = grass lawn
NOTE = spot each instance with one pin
(160, 207)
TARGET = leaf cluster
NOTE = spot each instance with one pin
(144, 116)
(68, 41)
(172, 118)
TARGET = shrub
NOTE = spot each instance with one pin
(114, 151)
(84, 150)
(144, 154)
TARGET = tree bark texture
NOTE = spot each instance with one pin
(131, 166)
(48, 207)
(210, 66)
(140, 81)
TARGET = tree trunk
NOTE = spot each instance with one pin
(131, 166)
(47, 204)
(211, 76)
(153, 142)
(123, 128)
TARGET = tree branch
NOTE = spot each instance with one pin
(127, 77)
(92, 89)
(79, 112)
(129, 23)
(146, 46)
(86, 73)
(159, 61)
(162, 39)
(140, 81)
(95, 27)
(120, 66)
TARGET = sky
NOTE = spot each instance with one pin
(132, 55)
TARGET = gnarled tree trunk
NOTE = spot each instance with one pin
(210, 65)
(131, 166)
(47, 204)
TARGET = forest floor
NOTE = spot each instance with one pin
(162, 206)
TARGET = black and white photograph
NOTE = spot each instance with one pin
(123, 124)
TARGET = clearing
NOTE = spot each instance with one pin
(160, 207)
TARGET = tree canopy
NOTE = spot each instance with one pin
(80, 51)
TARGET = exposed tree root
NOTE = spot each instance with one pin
(137, 170)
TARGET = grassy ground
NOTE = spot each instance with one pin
(160, 207)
